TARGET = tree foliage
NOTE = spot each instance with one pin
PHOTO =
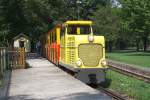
(136, 15)
(125, 25)
(32, 17)
(107, 23)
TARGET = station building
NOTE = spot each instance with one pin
(21, 41)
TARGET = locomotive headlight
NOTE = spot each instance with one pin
(104, 63)
(78, 63)
(91, 38)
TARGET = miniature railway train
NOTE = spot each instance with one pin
(74, 46)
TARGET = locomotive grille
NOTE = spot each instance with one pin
(71, 50)
(90, 54)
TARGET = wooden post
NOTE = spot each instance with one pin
(23, 57)
(2, 61)
(0, 64)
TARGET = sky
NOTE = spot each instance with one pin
(115, 3)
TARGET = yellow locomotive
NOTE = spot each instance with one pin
(81, 51)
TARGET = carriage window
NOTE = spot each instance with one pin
(62, 31)
(79, 29)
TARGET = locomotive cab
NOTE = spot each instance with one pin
(83, 52)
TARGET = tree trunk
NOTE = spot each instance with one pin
(145, 43)
(137, 44)
(110, 46)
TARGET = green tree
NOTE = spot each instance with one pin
(13, 20)
(107, 23)
(136, 15)
(31, 17)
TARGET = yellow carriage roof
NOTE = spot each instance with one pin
(78, 22)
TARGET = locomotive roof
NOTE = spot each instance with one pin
(78, 22)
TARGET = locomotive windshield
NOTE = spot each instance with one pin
(79, 29)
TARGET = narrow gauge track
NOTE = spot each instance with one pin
(129, 70)
(112, 94)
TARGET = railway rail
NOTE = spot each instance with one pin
(113, 94)
(129, 70)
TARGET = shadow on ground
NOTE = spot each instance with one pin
(33, 56)
(129, 51)
(106, 84)
(144, 54)
(76, 96)
(4, 88)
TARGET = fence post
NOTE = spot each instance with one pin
(3, 62)
(0, 64)
(7, 59)
(23, 57)
(4, 52)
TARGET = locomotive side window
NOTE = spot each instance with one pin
(79, 29)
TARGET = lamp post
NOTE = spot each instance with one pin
(78, 11)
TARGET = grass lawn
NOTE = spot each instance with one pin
(134, 88)
(136, 58)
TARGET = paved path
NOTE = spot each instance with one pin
(44, 81)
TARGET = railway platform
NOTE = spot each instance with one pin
(44, 81)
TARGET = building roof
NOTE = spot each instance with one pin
(78, 22)
(21, 35)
